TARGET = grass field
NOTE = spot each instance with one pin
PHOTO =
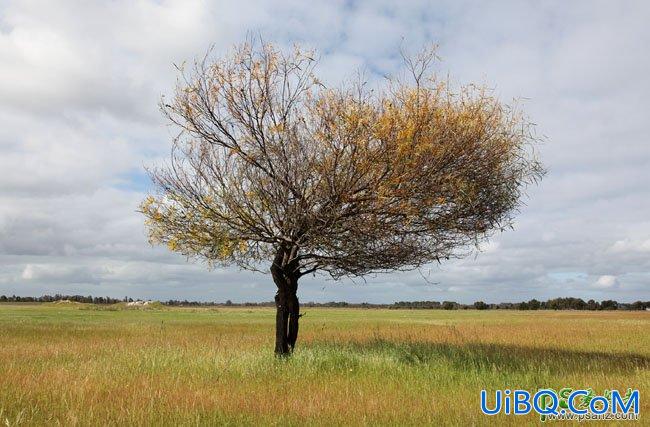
(84, 365)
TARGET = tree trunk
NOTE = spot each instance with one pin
(294, 317)
(286, 318)
(281, 326)
(287, 307)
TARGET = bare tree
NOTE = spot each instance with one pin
(272, 166)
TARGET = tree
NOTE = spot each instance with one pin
(272, 166)
(480, 305)
(533, 304)
(608, 305)
(449, 305)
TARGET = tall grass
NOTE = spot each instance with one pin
(82, 366)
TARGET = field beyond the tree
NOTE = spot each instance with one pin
(81, 364)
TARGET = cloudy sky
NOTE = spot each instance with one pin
(80, 82)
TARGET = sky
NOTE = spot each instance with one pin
(80, 83)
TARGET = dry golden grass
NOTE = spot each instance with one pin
(82, 366)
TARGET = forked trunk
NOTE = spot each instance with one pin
(281, 326)
(287, 308)
(286, 321)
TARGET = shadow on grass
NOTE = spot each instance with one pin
(481, 356)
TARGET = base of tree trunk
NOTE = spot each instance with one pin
(286, 322)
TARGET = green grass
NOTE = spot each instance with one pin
(87, 365)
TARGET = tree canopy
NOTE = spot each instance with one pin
(348, 180)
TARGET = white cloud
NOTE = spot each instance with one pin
(606, 282)
(28, 272)
(630, 245)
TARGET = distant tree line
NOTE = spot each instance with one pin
(58, 297)
(533, 304)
